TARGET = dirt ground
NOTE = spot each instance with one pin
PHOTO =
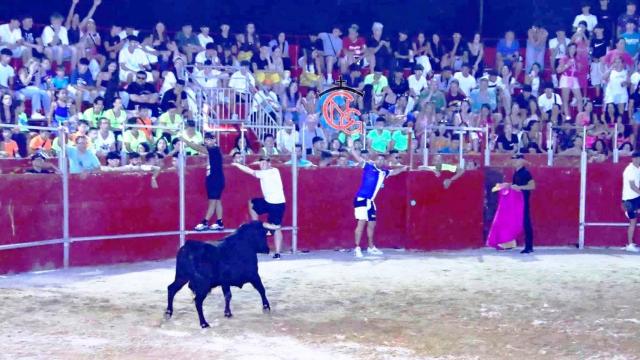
(554, 304)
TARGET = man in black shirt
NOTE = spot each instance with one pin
(523, 98)
(523, 181)
(224, 40)
(378, 49)
(399, 84)
(354, 78)
(401, 52)
(172, 96)
(32, 42)
(40, 166)
(214, 181)
(142, 94)
(605, 18)
(599, 46)
(312, 53)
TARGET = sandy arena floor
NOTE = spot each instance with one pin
(556, 304)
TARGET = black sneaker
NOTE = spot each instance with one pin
(526, 251)
(277, 256)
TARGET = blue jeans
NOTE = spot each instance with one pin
(39, 98)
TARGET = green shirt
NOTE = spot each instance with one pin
(116, 122)
(380, 141)
(342, 137)
(196, 139)
(132, 140)
(378, 86)
(401, 141)
(91, 116)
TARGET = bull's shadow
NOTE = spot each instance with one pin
(232, 262)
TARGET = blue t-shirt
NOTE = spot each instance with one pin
(372, 180)
(79, 163)
(632, 42)
(85, 79)
(508, 50)
(60, 83)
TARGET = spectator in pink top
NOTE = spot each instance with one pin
(568, 70)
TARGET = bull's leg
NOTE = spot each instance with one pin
(257, 284)
(226, 290)
(200, 296)
(172, 289)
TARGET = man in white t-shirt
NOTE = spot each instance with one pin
(56, 42)
(7, 72)
(287, 138)
(631, 197)
(208, 77)
(242, 80)
(465, 79)
(635, 78)
(133, 59)
(11, 37)
(272, 202)
(558, 46)
(204, 38)
(548, 99)
(210, 53)
(417, 83)
(585, 16)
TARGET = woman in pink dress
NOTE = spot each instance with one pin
(582, 42)
(569, 71)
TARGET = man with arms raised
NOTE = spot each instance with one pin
(373, 176)
(273, 202)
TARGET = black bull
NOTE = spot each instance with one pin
(232, 262)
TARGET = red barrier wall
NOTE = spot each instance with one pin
(414, 211)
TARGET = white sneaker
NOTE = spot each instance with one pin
(216, 227)
(202, 226)
(374, 251)
(358, 252)
(37, 116)
(632, 248)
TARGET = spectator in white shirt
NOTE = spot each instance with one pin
(133, 59)
(7, 72)
(465, 79)
(208, 77)
(242, 80)
(204, 38)
(590, 19)
(210, 53)
(417, 83)
(558, 46)
(286, 139)
(11, 37)
(548, 99)
(56, 42)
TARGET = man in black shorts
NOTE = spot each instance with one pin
(273, 202)
(631, 197)
(214, 181)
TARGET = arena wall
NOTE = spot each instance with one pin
(415, 211)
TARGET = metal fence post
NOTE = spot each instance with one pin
(583, 192)
(487, 150)
(616, 154)
(65, 197)
(294, 195)
(182, 163)
(550, 145)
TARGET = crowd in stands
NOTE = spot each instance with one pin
(98, 83)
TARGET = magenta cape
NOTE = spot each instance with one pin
(509, 219)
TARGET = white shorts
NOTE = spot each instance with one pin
(569, 82)
(364, 209)
(616, 97)
(596, 73)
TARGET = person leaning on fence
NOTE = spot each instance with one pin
(40, 166)
(215, 181)
(631, 197)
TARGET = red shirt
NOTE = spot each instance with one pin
(356, 46)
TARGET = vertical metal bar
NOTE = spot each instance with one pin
(461, 150)
(294, 195)
(410, 149)
(303, 130)
(244, 141)
(65, 197)
(616, 154)
(182, 161)
(487, 150)
(583, 191)
(550, 146)
(425, 151)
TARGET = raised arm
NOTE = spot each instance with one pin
(92, 11)
(398, 171)
(72, 9)
(245, 169)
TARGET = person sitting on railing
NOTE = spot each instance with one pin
(39, 165)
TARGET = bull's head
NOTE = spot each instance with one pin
(256, 235)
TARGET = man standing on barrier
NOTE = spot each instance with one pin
(214, 181)
(523, 181)
(272, 203)
(631, 197)
(373, 177)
